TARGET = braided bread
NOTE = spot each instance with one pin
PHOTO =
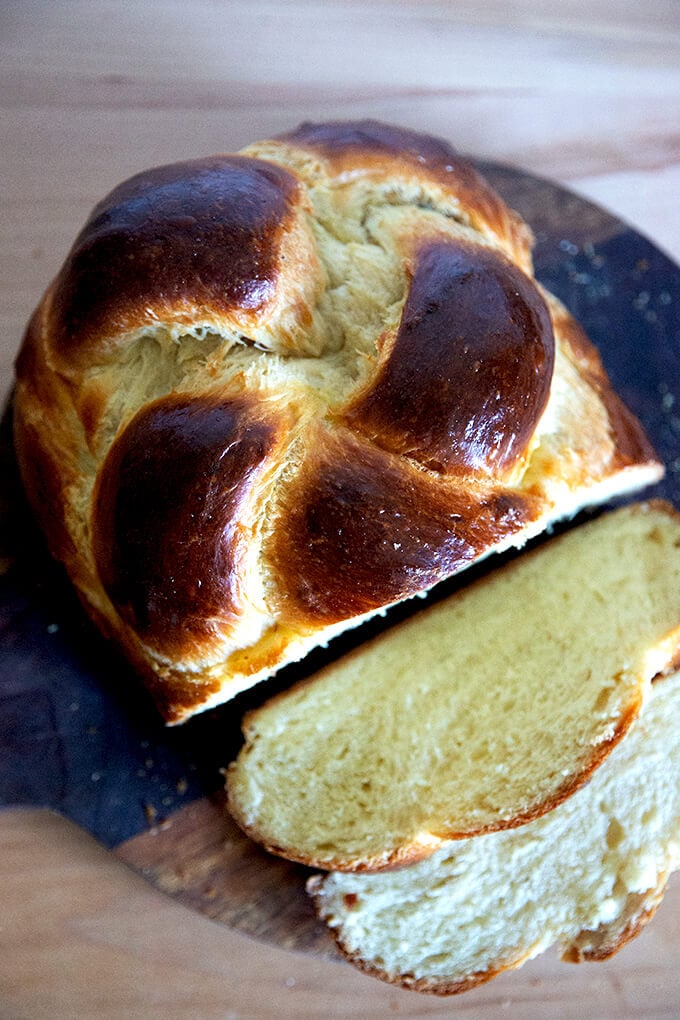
(270, 394)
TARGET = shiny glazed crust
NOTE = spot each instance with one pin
(271, 393)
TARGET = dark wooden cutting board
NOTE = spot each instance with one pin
(79, 735)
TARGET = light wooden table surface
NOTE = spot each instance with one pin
(90, 92)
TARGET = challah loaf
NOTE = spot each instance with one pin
(588, 876)
(482, 712)
(271, 393)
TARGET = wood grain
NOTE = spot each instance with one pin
(586, 93)
(200, 857)
(84, 936)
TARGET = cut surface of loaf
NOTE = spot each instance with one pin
(587, 876)
(271, 393)
(480, 713)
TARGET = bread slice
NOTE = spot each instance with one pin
(480, 713)
(588, 876)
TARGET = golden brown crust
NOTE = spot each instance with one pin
(478, 334)
(175, 509)
(175, 243)
(361, 529)
(224, 253)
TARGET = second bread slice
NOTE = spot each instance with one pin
(588, 876)
(480, 713)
